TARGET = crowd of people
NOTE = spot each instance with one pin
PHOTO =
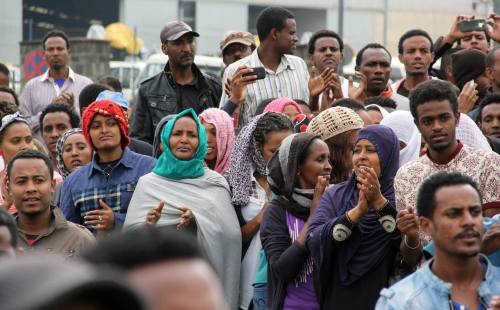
(280, 184)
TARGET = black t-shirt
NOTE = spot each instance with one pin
(402, 90)
(189, 95)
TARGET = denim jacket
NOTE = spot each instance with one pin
(82, 189)
(424, 290)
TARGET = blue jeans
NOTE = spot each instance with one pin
(260, 296)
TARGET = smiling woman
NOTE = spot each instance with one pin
(357, 218)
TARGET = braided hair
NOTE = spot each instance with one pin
(268, 123)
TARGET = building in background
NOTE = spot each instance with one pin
(363, 19)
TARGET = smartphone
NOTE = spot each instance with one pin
(260, 72)
(472, 25)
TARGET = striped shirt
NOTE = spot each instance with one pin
(39, 92)
(290, 80)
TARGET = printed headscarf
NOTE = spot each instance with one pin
(60, 149)
(246, 155)
(224, 136)
(109, 109)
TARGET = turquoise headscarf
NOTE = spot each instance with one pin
(171, 167)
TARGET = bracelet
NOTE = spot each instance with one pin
(405, 240)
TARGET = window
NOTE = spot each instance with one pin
(187, 13)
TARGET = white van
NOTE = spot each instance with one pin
(128, 73)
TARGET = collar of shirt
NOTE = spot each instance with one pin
(126, 161)
(284, 63)
(452, 156)
(46, 75)
(196, 82)
(57, 221)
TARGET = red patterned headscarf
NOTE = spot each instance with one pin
(106, 108)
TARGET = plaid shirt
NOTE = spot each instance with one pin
(83, 188)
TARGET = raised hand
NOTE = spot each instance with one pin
(455, 33)
(318, 84)
(357, 93)
(187, 218)
(239, 83)
(319, 190)
(154, 214)
(102, 219)
(493, 27)
(370, 186)
(468, 97)
(407, 222)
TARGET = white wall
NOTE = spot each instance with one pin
(11, 30)
(149, 16)
(215, 19)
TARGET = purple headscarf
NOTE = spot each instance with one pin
(369, 243)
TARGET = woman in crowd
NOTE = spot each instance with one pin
(286, 106)
(253, 149)
(353, 236)
(73, 152)
(220, 138)
(15, 136)
(401, 122)
(338, 126)
(157, 146)
(181, 191)
(298, 176)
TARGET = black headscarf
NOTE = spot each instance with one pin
(467, 65)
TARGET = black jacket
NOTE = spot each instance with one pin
(158, 98)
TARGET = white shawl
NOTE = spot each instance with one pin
(401, 122)
(209, 199)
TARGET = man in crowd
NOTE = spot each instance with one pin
(4, 75)
(97, 195)
(449, 206)
(55, 119)
(373, 66)
(8, 95)
(435, 111)
(181, 85)
(164, 264)
(41, 227)
(111, 82)
(287, 74)
(90, 94)
(493, 69)
(325, 49)
(489, 120)
(58, 80)
(236, 45)
(415, 53)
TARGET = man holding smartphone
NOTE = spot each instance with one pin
(285, 75)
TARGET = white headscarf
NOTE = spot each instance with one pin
(401, 122)
(379, 108)
(469, 134)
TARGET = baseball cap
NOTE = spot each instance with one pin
(116, 97)
(174, 30)
(243, 37)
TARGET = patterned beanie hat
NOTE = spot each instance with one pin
(334, 121)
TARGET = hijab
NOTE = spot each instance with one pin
(224, 136)
(246, 157)
(157, 136)
(282, 174)
(369, 243)
(401, 122)
(169, 166)
(60, 149)
(279, 104)
(109, 109)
